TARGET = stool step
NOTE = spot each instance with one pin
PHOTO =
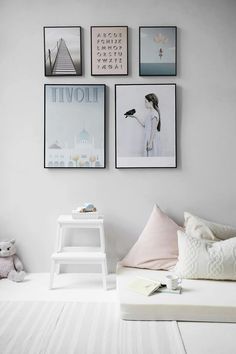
(80, 249)
(80, 256)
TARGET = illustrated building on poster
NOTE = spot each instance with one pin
(83, 153)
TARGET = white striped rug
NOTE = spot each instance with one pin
(81, 328)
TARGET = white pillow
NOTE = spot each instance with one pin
(205, 229)
(201, 259)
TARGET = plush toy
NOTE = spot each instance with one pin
(10, 265)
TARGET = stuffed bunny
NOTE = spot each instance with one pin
(10, 265)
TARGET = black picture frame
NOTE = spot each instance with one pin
(135, 146)
(109, 50)
(75, 126)
(157, 51)
(62, 50)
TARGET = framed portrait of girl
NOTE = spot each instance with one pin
(145, 117)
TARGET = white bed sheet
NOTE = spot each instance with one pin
(200, 300)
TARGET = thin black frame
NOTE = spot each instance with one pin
(81, 54)
(140, 28)
(127, 48)
(175, 121)
(104, 128)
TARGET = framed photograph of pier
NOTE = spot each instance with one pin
(62, 51)
(74, 126)
(109, 50)
(145, 125)
(157, 51)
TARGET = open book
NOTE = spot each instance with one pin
(146, 286)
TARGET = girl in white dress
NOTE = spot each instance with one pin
(151, 125)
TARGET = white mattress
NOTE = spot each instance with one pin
(200, 300)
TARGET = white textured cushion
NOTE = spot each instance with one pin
(201, 259)
(205, 229)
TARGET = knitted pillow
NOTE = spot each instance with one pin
(203, 259)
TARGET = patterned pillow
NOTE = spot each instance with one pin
(202, 259)
(205, 229)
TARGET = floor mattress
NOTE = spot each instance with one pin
(200, 300)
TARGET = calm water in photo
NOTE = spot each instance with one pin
(157, 69)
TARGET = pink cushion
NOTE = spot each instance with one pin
(157, 246)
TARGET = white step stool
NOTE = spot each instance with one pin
(79, 255)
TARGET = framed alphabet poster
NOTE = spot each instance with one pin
(74, 126)
(145, 116)
(109, 50)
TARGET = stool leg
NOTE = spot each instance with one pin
(52, 273)
(105, 263)
(58, 268)
(104, 276)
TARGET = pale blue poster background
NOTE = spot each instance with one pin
(74, 124)
(157, 50)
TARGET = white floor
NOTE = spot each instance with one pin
(66, 287)
(65, 313)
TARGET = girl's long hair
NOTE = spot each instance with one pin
(151, 97)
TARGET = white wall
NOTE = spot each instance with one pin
(204, 182)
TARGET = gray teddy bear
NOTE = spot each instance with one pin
(10, 265)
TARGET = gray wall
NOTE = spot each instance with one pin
(204, 182)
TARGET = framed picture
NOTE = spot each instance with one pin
(157, 51)
(109, 50)
(74, 126)
(145, 117)
(62, 51)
